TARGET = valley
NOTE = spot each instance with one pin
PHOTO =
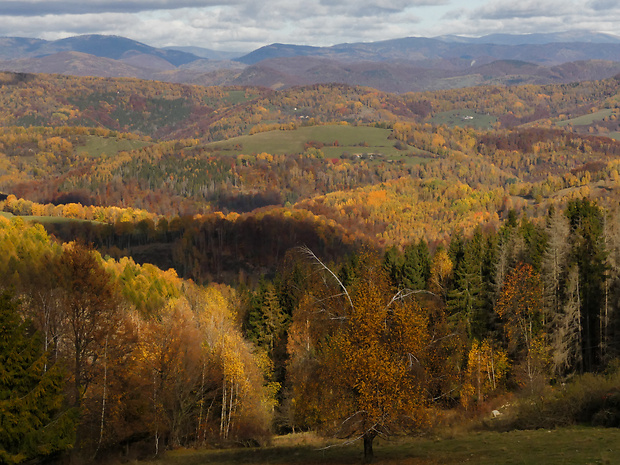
(220, 266)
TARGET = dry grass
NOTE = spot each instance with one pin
(564, 446)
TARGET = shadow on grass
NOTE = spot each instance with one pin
(305, 455)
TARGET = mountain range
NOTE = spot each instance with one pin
(398, 65)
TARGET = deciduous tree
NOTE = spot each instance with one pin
(371, 359)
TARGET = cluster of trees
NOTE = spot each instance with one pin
(520, 307)
(485, 176)
(98, 354)
(49, 165)
(129, 105)
(357, 346)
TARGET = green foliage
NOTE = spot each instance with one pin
(34, 421)
(266, 321)
(466, 301)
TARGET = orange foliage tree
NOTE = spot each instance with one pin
(520, 306)
(372, 364)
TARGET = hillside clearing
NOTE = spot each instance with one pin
(586, 119)
(352, 139)
(96, 146)
(464, 118)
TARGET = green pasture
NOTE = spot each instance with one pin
(232, 97)
(464, 118)
(46, 219)
(96, 146)
(586, 120)
(565, 446)
(614, 135)
(354, 140)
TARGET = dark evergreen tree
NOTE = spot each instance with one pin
(589, 254)
(33, 420)
(466, 301)
(535, 244)
(416, 266)
(392, 262)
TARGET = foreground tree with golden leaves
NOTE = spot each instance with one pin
(373, 353)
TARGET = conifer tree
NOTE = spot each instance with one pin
(416, 266)
(33, 421)
(466, 301)
(588, 252)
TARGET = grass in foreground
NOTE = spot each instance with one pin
(566, 446)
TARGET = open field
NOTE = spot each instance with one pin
(614, 135)
(233, 97)
(586, 119)
(96, 146)
(464, 118)
(352, 139)
(566, 446)
(45, 219)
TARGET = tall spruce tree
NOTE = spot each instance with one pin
(416, 266)
(589, 254)
(33, 421)
(466, 301)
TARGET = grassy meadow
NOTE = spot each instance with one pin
(351, 139)
(564, 446)
(464, 118)
(96, 146)
(588, 119)
(60, 220)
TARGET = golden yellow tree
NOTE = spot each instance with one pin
(371, 361)
(487, 367)
(520, 306)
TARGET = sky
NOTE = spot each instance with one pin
(245, 25)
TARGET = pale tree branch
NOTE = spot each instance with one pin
(312, 255)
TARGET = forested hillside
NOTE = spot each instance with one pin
(207, 266)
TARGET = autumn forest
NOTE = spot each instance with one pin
(186, 266)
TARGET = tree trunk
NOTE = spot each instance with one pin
(369, 436)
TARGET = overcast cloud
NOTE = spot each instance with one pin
(244, 25)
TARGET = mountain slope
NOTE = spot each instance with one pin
(113, 47)
(422, 50)
(398, 65)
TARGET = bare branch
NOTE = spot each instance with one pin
(445, 394)
(312, 255)
(346, 443)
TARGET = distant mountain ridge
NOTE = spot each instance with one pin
(396, 65)
(536, 38)
(539, 49)
(113, 47)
